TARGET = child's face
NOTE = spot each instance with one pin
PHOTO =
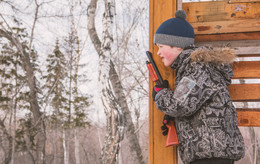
(168, 54)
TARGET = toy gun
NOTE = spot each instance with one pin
(157, 78)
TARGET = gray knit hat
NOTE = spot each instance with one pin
(176, 32)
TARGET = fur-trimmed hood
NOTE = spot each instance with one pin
(213, 55)
(220, 58)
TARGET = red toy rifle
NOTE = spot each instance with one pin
(157, 78)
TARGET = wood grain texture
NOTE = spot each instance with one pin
(243, 36)
(248, 117)
(220, 11)
(221, 17)
(160, 10)
(246, 70)
(245, 92)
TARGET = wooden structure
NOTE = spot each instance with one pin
(233, 23)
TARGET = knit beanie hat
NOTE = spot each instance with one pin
(176, 32)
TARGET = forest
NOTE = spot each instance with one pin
(74, 84)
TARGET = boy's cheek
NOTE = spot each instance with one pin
(166, 62)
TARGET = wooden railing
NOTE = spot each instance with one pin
(247, 92)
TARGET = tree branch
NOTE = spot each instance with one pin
(91, 26)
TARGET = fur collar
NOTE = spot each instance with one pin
(213, 55)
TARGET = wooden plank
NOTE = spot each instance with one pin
(232, 43)
(221, 17)
(245, 92)
(248, 117)
(158, 153)
(239, 1)
(248, 55)
(228, 37)
(247, 50)
(218, 27)
(246, 70)
(220, 11)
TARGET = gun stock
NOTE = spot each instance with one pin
(172, 135)
(157, 78)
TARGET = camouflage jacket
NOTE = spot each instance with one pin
(205, 118)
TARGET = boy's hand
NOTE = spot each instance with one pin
(166, 120)
(157, 88)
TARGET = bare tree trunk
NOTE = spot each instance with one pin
(135, 148)
(65, 147)
(104, 51)
(253, 142)
(120, 154)
(28, 145)
(14, 106)
(55, 144)
(13, 129)
(257, 151)
(255, 146)
(13, 135)
(7, 155)
(114, 114)
(77, 151)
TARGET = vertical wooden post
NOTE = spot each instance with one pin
(160, 10)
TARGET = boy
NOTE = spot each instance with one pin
(205, 118)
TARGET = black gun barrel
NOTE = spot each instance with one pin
(149, 55)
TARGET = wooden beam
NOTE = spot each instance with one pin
(244, 92)
(248, 117)
(232, 43)
(248, 55)
(246, 70)
(220, 11)
(253, 50)
(232, 26)
(221, 17)
(244, 36)
(239, 1)
(158, 152)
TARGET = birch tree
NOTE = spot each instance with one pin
(115, 120)
(117, 113)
